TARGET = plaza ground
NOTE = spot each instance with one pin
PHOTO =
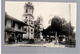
(39, 44)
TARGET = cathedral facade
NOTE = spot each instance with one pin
(28, 18)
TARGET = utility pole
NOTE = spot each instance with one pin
(70, 23)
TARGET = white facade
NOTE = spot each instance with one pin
(28, 19)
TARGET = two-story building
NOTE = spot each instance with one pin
(14, 29)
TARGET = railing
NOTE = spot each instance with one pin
(8, 28)
(19, 30)
(13, 29)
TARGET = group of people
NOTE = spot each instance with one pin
(12, 39)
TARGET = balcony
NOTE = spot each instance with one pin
(8, 28)
(19, 30)
(14, 30)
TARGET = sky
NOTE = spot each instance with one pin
(46, 9)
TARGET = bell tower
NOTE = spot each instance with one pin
(28, 19)
(40, 18)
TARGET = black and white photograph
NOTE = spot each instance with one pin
(40, 24)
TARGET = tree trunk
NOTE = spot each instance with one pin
(49, 38)
(56, 38)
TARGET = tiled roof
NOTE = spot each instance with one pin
(14, 19)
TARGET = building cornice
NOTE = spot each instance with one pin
(28, 15)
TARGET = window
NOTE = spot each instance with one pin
(31, 22)
(26, 10)
(31, 29)
(13, 25)
(19, 26)
(31, 33)
(25, 29)
(26, 17)
(25, 22)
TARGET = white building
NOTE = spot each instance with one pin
(28, 19)
(14, 29)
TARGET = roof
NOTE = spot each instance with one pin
(14, 19)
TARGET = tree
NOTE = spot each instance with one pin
(61, 27)
(56, 25)
(67, 29)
